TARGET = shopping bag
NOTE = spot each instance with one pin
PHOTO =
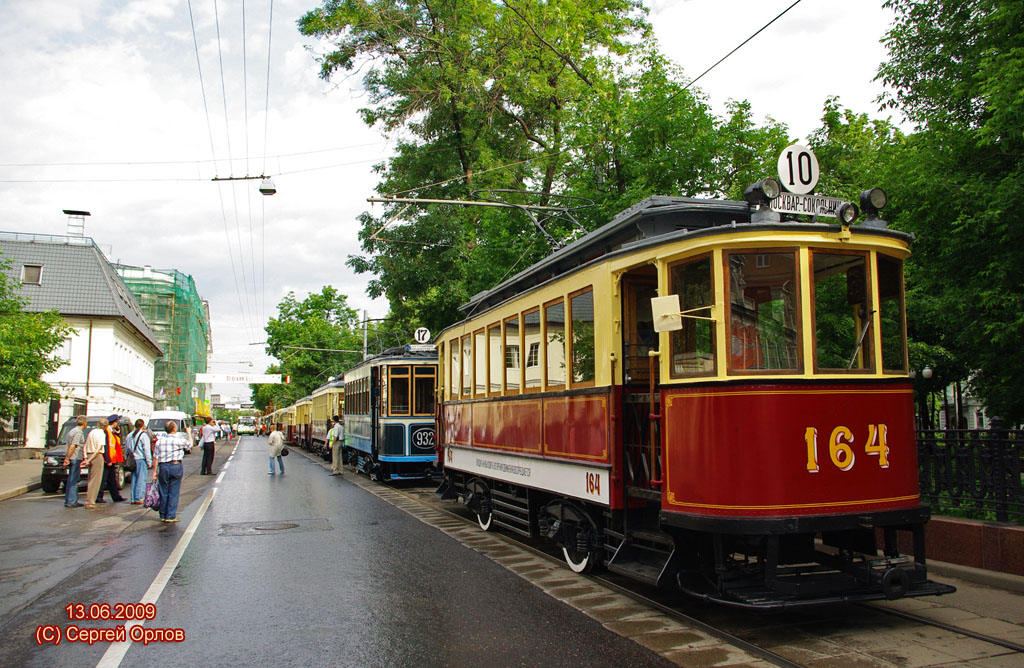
(152, 500)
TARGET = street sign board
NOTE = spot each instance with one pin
(255, 378)
(798, 169)
(422, 335)
(809, 205)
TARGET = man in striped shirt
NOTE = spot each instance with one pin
(168, 453)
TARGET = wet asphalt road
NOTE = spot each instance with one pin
(299, 570)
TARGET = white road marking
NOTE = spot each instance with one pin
(115, 653)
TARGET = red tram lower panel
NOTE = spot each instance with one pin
(781, 451)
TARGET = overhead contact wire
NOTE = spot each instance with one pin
(213, 151)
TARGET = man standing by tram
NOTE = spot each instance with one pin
(334, 442)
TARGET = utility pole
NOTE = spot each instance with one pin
(365, 316)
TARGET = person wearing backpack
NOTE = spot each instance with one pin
(139, 449)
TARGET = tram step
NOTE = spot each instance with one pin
(637, 570)
(643, 493)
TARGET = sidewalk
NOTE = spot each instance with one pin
(19, 476)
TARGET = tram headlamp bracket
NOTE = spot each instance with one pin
(762, 192)
(872, 201)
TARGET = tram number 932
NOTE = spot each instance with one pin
(841, 447)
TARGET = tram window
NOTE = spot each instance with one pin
(480, 363)
(454, 370)
(693, 346)
(890, 298)
(398, 390)
(581, 312)
(554, 338)
(467, 366)
(494, 362)
(531, 339)
(512, 364)
(764, 312)
(423, 390)
(842, 311)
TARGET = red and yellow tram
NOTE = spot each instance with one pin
(698, 394)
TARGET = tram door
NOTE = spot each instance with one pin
(642, 465)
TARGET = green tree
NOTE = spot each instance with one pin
(27, 344)
(314, 339)
(954, 69)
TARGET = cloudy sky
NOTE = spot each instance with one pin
(104, 111)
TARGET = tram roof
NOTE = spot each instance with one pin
(326, 386)
(652, 221)
(399, 354)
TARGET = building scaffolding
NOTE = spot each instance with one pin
(180, 318)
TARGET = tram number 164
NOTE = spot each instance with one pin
(840, 447)
(594, 484)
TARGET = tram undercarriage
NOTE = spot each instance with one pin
(744, 563)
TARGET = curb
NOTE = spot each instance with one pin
(18, 491)
(978, 576)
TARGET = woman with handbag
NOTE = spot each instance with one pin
(139, 450)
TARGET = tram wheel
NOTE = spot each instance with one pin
(579, 562)
(481, 504)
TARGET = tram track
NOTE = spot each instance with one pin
(909, 616)
(425, 498)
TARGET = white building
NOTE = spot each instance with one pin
(112, 351)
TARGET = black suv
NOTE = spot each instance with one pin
(55, 473)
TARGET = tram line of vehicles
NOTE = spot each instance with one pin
(699, 395)
(387, 406)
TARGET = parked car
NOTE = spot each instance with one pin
(55, 474)
(157, 424)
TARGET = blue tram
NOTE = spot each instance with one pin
(389, 415)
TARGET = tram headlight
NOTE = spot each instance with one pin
(872, 201)
(847, 213)
(762, 192)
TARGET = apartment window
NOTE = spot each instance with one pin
(31, 274)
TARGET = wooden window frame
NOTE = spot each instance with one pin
(798, 316)
(394, 372)
(454, 393)
(417, 371)
(903, 312)
(544, 346)
(464, 391)
(504, 353)
(501, 359)
(481, 331)
(523, 351)
(570, 371)
(812, 289)
(710, 257)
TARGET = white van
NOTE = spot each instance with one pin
(158, 423)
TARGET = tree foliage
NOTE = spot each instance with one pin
(554, 97)
(954, 69)
(27, 345)
(322, 320)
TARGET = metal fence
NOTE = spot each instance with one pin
(973, 472)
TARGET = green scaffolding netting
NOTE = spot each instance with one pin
(180, 319)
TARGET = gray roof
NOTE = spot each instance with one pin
(76, 280)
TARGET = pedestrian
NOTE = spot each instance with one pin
(95, 444)
(112, 456)
(73, 460)
(208, 437)
(276, 445)
(334, 442)
(139, 449)
(170, 448)
(227, 430)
